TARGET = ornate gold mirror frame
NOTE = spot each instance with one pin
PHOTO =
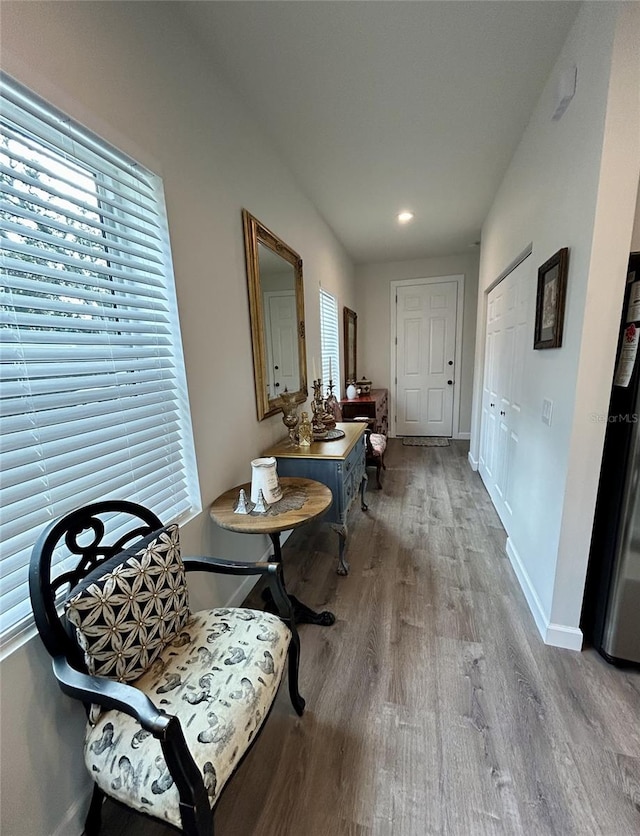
(350, 321)
(276, 308)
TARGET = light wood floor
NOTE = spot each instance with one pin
(432, 705)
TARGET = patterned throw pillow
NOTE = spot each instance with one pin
(131, 606)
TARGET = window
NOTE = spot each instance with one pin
(93, 402)
(330, 340)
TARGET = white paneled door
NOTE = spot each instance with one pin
(508, 336)
(425, 358)
(281, 323)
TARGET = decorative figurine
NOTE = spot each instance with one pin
(330, 407)
(319, 412)
(243, 506)
(261, 506)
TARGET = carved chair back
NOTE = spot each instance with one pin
(87, 535)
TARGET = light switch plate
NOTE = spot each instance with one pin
(547, 410)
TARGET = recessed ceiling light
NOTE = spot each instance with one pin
(405, 217)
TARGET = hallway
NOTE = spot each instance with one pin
(433, 706)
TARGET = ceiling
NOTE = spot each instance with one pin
(382, 105)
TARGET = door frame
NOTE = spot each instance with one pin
(457, 365)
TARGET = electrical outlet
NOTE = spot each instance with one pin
(547, 410)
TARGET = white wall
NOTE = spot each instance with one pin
(571, 183)
(374, 317)
(135, 75)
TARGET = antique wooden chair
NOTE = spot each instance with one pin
(174, 699)
(375, 444)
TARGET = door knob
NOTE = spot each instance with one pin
(450, 382)
(450, 363)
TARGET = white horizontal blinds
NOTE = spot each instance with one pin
(330, 340)
(93, 402)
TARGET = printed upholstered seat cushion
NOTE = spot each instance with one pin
(379, 443)
(219, 676)
(131, 606)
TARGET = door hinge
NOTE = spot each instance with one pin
(396, 341)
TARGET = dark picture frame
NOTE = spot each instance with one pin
(552, 289)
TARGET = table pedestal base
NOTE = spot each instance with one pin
(302, 614)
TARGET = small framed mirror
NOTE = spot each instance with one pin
(276, 308)
(350, 319)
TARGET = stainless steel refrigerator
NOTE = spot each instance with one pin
(611, 611)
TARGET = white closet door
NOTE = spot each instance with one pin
(489, 428)
(509, 335)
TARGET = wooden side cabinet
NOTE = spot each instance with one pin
(374, 406)
(340, 465)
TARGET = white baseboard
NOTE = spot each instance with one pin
(73, 822)
(245, 587)
(555, 635)
(473, 462)
(242, 590)
(530, 594)
(559, 635)
(463, 436)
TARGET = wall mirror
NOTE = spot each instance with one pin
(350, 321)
(276, 307)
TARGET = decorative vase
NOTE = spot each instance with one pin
(352, 392)
(265, 478)
(290, 415)
(305, 431)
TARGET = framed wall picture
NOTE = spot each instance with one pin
(552, 288)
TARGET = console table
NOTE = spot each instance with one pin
(340, 465)
(374, 406)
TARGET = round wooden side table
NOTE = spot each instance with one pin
(302, 500)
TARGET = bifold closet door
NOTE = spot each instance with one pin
(508, 336)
